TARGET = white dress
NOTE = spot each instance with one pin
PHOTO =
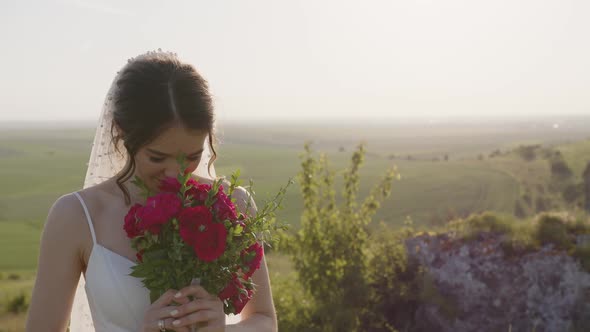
(117, 301)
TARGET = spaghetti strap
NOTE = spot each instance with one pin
(87, 216)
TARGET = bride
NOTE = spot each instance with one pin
(157, 108)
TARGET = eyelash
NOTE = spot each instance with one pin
(159, 160)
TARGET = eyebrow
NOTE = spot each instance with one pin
(167, 155)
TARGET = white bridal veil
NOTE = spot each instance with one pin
(105, 163)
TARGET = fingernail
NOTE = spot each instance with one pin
(176, 322)
(173, 312)
(178, 294)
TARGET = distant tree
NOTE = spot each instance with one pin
(480, 157)
(560, 169)
(528, 152)
(586, 176)
(541, 204)
(341, 149)
(546, 153)
(495, 153)
(526, 197)
(519, 210)
(446, 157)
(573, 192)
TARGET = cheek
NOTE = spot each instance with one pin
(146, 168)
(192, 166)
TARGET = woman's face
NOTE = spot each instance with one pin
(157, 160)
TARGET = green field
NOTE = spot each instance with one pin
(39, 165)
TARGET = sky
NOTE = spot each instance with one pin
(301, 60)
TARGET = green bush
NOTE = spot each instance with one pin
(294, 306)
(329, 252)
(486, 222)
(17, 304)
(394, 284)
(551, 229)
(14, 276)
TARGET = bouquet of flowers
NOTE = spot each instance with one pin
(192, 231)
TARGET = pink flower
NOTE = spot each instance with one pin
(232, 289)
(139, 256)
(158, 210)
(198, 230)
(241, 301)
(251, 259)
(130, 226)
(198, 191)
(169, 184)
(224, 207)
(237, 293)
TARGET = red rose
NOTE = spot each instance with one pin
(190, 219)
(237, 294)
(158, 210)
(198, 191)
(139, 255)
(241, 301)
(251, 259)
(224, 207)
(169, 184)
(231, 290)
(210, 243)
(198, 230)
(130, 226)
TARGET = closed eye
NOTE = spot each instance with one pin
(159, 160)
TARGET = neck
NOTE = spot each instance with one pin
(135, 193)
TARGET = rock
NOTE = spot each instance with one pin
(478, 288)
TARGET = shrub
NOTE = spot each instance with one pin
(329, 251)
(394, 283)
(551, 229)
(560, 169)
(527, 152)
(17, 304)
(487, 222)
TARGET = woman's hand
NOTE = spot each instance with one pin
(206, 310)
(161, 309)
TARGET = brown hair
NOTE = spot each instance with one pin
(153, 94)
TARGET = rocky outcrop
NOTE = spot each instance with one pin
(476, 286)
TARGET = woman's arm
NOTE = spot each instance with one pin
(259, 313)
(59, 267)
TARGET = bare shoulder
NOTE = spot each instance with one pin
(64, 212)
(67, 219)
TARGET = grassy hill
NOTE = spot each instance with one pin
(37, 166)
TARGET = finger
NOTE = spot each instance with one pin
(167, 311)
(194, 290)
(195, 317)
(213, 328)
(182, 300)
(168, 326)
(192, 306)
(165, 298)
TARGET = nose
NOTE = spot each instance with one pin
(172, 170)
